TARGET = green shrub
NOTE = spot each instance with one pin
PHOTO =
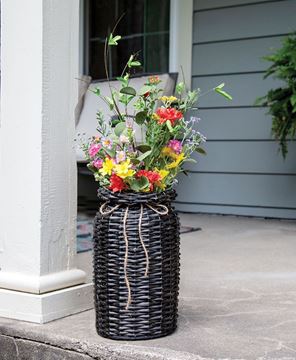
(282, 101)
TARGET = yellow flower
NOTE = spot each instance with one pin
(155, 116)
(167, 151)
(107, 167)
(123, 170)
(176, 163)
(163, 173)
(169, 99)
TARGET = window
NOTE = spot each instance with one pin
(144, 30)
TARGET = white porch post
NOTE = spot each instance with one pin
(39, 64)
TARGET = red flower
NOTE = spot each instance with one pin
(116, 183)
(152, 176)
(170, 114)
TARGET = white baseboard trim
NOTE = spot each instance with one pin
(36, 284)
(46, 307)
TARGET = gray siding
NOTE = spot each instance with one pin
(243, 172)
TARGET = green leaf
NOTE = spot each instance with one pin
(190, 160)
(135, 161)
(169, 125)
(180, 88)
(135, 63)
(144, 90)
(221, 86)
(143, 156)
(110, 102)
(113, 40)
(141, 117)
(143, 148)
(128, 90)
(201, 151)
(293, 100)
(223, 93)
(96, 91)
(139, 184)
(119, 128)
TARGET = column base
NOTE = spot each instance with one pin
(45, 307)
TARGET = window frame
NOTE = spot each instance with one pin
(180, 51)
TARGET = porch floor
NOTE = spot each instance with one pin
(237, 301)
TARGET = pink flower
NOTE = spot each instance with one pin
(94, 149)
(98, 163)
(175, 145)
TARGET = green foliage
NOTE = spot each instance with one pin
(219, 90)
(112, 41)
(282, 101)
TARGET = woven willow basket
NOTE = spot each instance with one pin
(136, 233)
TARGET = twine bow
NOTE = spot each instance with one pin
(153, 207)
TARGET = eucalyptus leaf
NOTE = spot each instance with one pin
(143, 148)
(141, 117)
(119, 128)
(128, 90)
(201, 151)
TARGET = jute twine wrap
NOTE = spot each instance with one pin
(136, 265)
(110, 211)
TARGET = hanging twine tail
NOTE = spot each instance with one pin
(164, 211)
(129, 295)
(142, 241)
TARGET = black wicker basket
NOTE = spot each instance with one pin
(136, 233)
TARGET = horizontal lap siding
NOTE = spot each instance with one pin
(243, 172)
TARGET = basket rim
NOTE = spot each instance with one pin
(131, 197)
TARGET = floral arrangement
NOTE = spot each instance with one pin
(121, 163)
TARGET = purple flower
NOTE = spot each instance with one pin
(175, 145)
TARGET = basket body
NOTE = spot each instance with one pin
(153, 309)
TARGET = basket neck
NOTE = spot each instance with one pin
(132, 198)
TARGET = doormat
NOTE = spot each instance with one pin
(85, 232)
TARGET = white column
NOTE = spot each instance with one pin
(39, 67)
(181, 38)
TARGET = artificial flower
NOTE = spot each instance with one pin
(168, 114)
(152, 176)
(107, 143)
(167, 151)
(97, 163)
(120, 156)
(163, 173)
(94, 149)
(168, 99)
(108, 166)
(177, 162)
(175, 145)
(124, 170)
(116, 183)
(154, 80)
